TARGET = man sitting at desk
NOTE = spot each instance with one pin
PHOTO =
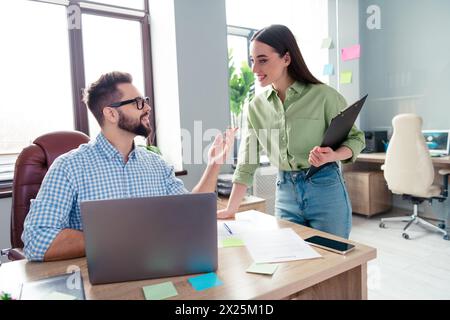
(108, 167)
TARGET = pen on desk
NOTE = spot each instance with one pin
(228, 228)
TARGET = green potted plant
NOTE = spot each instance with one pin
(5, 296)
(241, 86)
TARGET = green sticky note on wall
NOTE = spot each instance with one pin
(346, 77)
(264, 268)
(327, 43)
(232, 242)
(160, 291)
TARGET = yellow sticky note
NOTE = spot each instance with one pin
(263, 268)
(346, 77)
(232, 242)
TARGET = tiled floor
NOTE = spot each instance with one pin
(418, 268)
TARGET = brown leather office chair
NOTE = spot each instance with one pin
(30, 169)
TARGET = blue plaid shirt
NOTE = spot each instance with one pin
(94, 171)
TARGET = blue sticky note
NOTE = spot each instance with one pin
(205, 281)
(328, 70)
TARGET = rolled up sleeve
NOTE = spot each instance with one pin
(49, 212)
(248, 159)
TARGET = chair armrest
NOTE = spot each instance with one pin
(444, 172)
(16, 254)
(13, 254)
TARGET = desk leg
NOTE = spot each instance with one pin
(350, 285)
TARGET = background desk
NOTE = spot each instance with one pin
(367, 187)
(380, 157)
(248, 203)
(332, 277)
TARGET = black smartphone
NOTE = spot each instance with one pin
(330, 244)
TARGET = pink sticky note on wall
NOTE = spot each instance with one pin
(351, 53)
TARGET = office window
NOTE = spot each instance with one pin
(238, 45)
(238, 41)
(35, 73)
(111, 44)
(307, 19)
(44, 68)
(132, 4)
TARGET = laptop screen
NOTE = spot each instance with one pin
(437, 141)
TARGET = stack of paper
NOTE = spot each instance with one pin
(278, 246)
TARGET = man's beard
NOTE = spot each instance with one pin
(133, 126)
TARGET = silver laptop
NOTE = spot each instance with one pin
(154, 237)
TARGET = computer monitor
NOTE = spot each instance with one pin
(437, 141)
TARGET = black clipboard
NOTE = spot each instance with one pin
(338, 130)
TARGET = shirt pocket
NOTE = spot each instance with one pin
(304, 134)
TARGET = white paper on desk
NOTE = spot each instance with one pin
(239, 227)
(255, 217)
(278, 246)
(245, 225)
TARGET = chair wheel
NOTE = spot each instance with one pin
(382, 225)
(446, 237)
(441, 225)
(405, 235)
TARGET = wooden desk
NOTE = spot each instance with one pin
(380, 157)
(248, 203)
(332, 277)
(373, 162)
(380, 195)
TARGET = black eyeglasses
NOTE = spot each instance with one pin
(140, 102)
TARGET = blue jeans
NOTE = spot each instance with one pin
(320, 202)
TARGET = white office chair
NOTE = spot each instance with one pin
(409, 171)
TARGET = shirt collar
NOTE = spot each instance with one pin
(296, 87)
(109, 150)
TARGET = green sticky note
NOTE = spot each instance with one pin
(327, 43)
(160, 291)
(55, 295)
(232, 242)
(264, 268)
(346, 77)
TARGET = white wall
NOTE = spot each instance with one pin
(165, 81)
(201, 36)
(344, 30)
(5, 218)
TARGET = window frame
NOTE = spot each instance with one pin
(244, 32)
(77, 59)
(76, 56)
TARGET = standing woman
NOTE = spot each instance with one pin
(288, 121)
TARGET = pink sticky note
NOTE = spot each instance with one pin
(351, 53)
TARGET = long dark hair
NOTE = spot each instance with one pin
(282, 40)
